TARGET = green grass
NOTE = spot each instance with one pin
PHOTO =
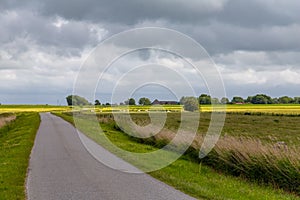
(16, 141)
(204, 183)
(185, 174)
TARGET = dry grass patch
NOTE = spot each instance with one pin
(273, 164)
(6, 118)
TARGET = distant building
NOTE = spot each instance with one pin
(157, 102)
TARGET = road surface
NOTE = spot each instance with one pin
(61, 168)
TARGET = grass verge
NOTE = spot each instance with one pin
(187, 175)
(16, 141)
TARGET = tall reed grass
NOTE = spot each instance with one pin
(273, 164)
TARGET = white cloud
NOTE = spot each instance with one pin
(8, 75)
(59, 22)
(246, 77)
(259, 60)
(260, 78)
(290, 76)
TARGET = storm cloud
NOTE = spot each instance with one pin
(256, 44)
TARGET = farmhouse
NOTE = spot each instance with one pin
(157, 102)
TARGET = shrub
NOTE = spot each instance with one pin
(190, 103)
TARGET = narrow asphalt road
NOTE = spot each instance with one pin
(61, 168)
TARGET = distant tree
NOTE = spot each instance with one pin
(215, 100)
(190, 103)
(131, 101)
(296, 100)
(97, 102)
(75, 100)
(237, 100)
(224, 100)
(249, 99)
(204, 99)
(144, 101)
(107, 104)
(69, 100)
(181, 102)
(275, 100)
(285, 100)
(260, 99)
(147, 102)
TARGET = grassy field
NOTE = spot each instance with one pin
(263, 148)
(16, 141)
(279, 109)
(186, 173)
(267, 128)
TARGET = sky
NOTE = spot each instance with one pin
(255, 46)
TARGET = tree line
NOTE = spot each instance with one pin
(203, 99)
(76, 100)
(258, 99)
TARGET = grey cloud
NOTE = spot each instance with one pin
(70, 36)
(229, 38)
(256, 13)
(259, 60)
(242, 13)
(221, 26)
(218, 37)
(266, 32)
(131, 12)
